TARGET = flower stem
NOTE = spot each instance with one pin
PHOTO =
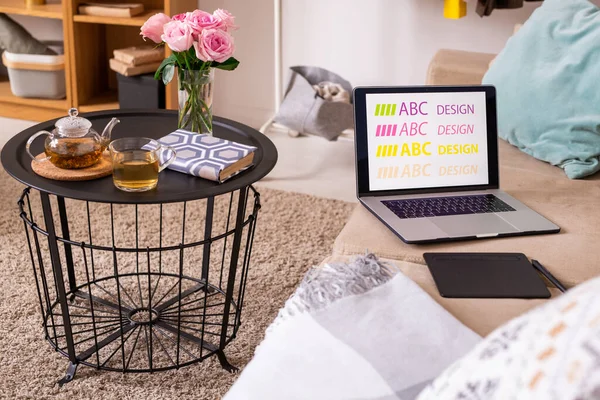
(195, 105)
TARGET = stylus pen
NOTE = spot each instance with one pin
(548, 275)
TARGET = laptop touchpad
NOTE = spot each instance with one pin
(474, 224)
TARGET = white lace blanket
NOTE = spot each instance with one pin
(360, 331)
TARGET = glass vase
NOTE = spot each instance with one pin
(195, 100)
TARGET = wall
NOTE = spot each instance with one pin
(386, 42)
(368, 42)
(247, 94)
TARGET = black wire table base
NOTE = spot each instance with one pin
(151, 330)
(153, 304)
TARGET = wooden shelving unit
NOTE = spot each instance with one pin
(102, 101)
(18, 7)
(89, 42)
(138, 20)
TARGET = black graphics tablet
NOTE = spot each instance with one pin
(485, 275)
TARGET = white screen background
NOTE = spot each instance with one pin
(407, 172)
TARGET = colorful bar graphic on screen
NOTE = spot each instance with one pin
(385, 110)
(388, 150)
(387, 172)
(386, 130)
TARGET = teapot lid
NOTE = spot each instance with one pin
(73, 126)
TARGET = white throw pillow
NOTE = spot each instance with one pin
(552, 352)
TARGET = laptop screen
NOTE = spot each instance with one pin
(426, 140)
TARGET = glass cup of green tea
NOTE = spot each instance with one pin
(137, 163)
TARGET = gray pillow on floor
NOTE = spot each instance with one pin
(15, 39)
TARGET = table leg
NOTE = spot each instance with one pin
(60, 282)
(64, 226)
(69, 375)
(237, 239)
(210, 205)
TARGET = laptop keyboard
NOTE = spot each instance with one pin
(443, 206)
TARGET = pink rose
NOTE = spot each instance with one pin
(214, 44)
(228, 20)
(200, 20)
(178, 36)
(179, 17)
(153, 27)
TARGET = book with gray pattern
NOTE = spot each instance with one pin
(204, 155)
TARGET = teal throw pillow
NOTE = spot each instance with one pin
(548, 84)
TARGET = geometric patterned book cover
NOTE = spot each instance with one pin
(204, 155)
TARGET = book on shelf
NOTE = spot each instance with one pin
(123, 10)
(139, 55)
(207, 156)
(131, 70)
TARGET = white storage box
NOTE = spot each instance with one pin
(32, 75)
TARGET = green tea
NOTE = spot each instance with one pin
(73, 153)
(135, 171)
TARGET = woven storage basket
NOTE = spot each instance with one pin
(303, 110)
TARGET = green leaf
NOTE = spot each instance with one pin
(228, 65)
(167, 61)
(168, 73)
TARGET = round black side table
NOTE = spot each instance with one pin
(140, 282)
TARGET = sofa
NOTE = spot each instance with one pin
(571, 255)
(285, 363)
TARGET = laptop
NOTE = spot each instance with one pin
(427, 164)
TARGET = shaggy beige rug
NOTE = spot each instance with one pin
(294, 232)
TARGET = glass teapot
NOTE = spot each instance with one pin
(73, 143)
